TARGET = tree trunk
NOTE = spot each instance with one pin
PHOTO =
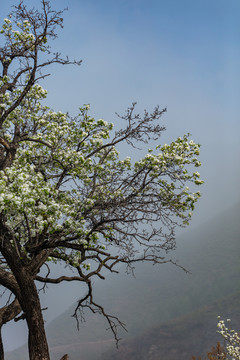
(30, 303)
(21, 283)
(23, 286)
(37, 341)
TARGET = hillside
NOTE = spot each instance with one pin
(178, 339)
(161, 300)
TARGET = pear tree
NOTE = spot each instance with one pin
(66, 194)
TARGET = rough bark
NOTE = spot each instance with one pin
(37, 341)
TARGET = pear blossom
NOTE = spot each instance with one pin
(231, 337)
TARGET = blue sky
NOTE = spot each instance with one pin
(183, 54)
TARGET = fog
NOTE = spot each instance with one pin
(183, 55)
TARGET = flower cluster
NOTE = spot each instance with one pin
(20, 37)
(231, 337)
(169, 167)
(32, 196)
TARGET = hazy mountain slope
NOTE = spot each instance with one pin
(159, 293)
(179, 339)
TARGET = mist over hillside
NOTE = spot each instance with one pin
(180, 338)
(161, 302)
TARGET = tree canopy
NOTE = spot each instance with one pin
(66, 194)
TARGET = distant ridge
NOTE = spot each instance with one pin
(183, 337)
